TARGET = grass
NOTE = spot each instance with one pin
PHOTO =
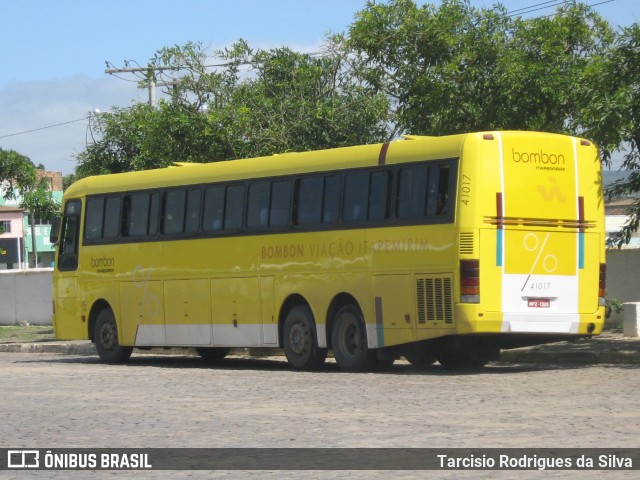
(19, 334)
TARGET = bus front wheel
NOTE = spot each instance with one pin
(106, 339)
(349, 341)
(300, 340)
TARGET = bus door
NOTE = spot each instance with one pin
(269, 319)
(68, 323)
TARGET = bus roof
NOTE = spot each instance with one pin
(411, 148)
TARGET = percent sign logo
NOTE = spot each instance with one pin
(532, 243)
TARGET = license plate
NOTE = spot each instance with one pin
(539, 303)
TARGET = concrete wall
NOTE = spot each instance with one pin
(26, 295)
(623, 278)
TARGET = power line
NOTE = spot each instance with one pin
(600, 3)
(548, 4)
(44, 128)
(535, 7)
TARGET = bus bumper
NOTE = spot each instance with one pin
(472, 319)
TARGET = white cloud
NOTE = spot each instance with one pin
(32, 105)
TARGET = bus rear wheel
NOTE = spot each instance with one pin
(300, 340)
(457, 354)
(106, 339)
(349, 341)
(419, 356)
(213, 354)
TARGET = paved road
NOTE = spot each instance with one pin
(70, 401)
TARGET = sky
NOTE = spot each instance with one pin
(52, 60)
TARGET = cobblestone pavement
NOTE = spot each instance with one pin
(52, 400)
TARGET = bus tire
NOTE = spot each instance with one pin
(300, 341)
(461, 355)
(385, 358)
(106, 339)
(419, 357)
(349, 341)
(213, 354)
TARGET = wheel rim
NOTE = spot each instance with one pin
(299, 339)
(352, 340)
(108, 336)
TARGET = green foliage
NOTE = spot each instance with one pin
(454, 68)
(256, 103)
(297, 102)
(36, 194)
(142, 137)
(38, 199)
(613, 305)
(612, 117)
(17, 168)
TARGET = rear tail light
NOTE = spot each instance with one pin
(470, 281)
(602, 284)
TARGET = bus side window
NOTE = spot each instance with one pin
(258, 206)
(443, 192)
(356, 197)
(154, 214)
(135, 215)
(438, 191)
(173, 211)
(412, 188)
(234, 207)
(192, 219)
(213, 216)
(331, 201)
(111, 227)
(280, 208)
(317, 200)
(308, 204)
(379, 195)
(94, 217)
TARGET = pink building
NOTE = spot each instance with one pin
(11, 237)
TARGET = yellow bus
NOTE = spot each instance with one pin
(432, 248)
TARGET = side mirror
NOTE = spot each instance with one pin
(54, 236)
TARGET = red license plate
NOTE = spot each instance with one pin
(539, 303)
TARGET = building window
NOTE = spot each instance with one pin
(5, 226)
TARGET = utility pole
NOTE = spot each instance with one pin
(151, 77)
(34, 243)
(152, 88)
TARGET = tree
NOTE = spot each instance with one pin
(36, 196)
(39, 202)
(254, 103)
(296, 102)
(611, 117)
(455, 68)
(15, 169)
